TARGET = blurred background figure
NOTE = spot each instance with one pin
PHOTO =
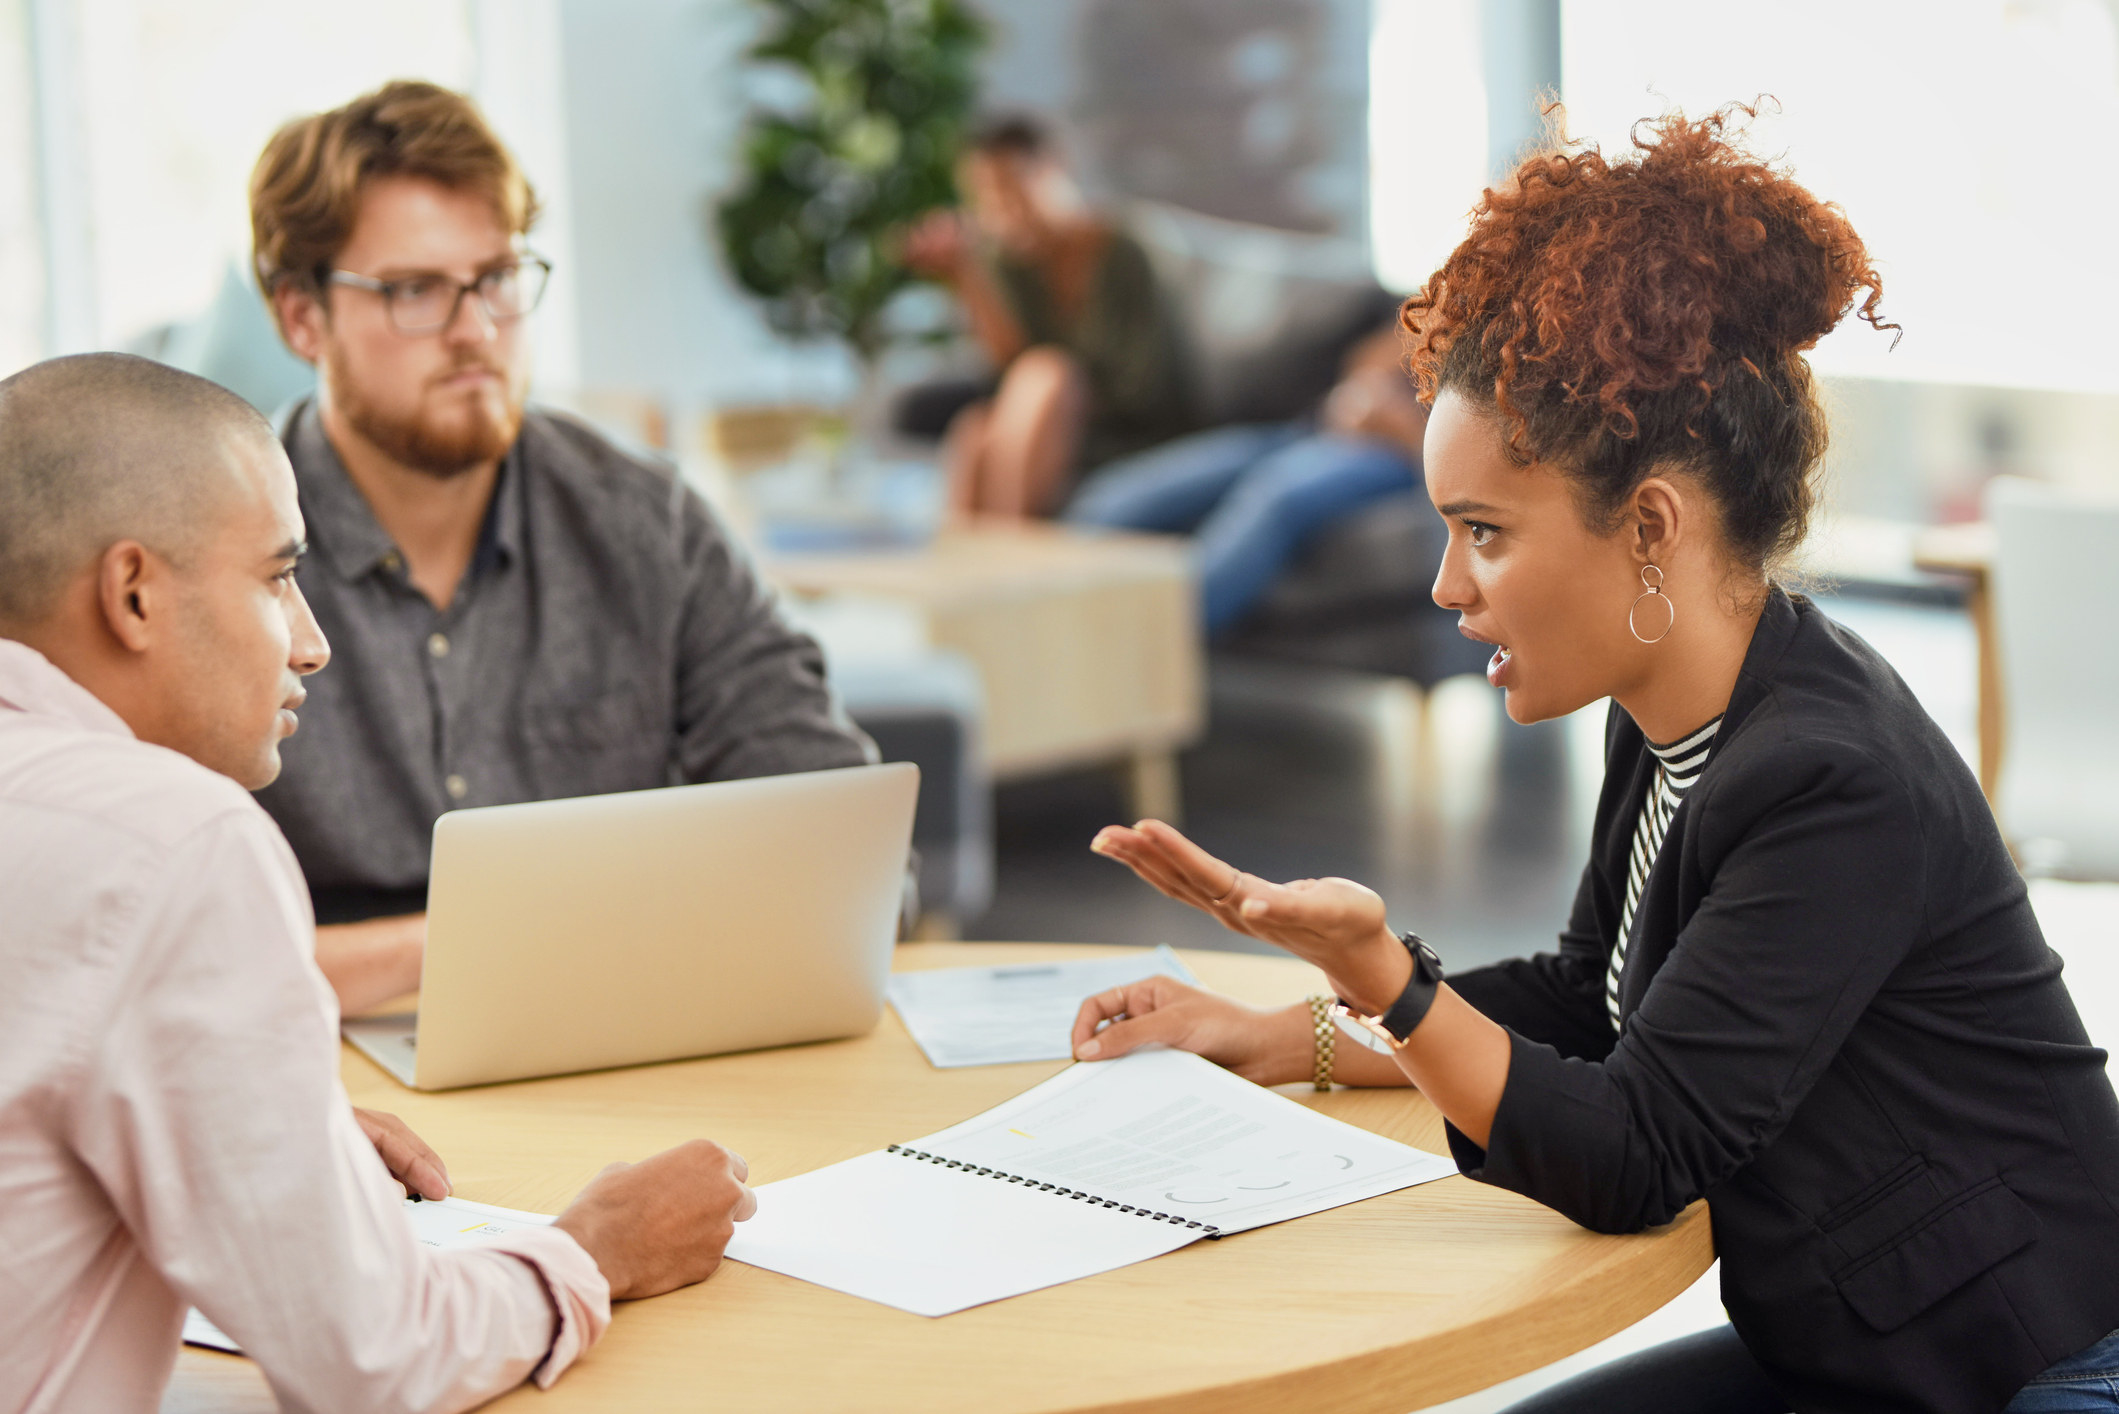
(1066, 306)
(1255, 496)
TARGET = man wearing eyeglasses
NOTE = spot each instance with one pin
(520, 610)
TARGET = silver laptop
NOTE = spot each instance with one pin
(608, 930)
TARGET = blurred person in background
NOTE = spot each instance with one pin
(1253, 496)
(521, 610)
(1067, 307)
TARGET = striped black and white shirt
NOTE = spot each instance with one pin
(1678, 765)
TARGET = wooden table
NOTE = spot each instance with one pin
(1088, 646)
(1383, 1306)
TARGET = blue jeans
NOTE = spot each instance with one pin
(2087, 1380)
(1711, 1373)
(1253, 496)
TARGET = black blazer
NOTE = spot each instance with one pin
(1842, 1028)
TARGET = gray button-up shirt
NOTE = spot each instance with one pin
(609, 636)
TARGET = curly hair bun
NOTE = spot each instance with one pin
(1652, 312)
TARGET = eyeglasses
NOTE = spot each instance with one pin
(427, 304)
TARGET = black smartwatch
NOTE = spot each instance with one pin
(1396, 1024)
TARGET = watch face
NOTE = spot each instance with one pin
(1374, 1026)
(1350, 1026)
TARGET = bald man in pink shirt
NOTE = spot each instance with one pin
(172, 1128)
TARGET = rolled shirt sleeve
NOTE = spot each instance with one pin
(212, 1115)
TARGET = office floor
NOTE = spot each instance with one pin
(1474, 829)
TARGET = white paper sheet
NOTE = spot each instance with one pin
(1020, 1012)
(451, 1222)
(1102, 1166)
(932, 1240)
(1166, 1131)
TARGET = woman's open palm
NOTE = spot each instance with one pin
(1322, 921)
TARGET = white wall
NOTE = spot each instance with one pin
(654, 102)
(23, 323)
(517, 77)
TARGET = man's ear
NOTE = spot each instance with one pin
(132, 590)
(302, 319)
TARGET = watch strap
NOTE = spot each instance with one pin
(1412, 1005)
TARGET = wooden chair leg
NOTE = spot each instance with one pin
(1153, 790)
(1402, 773)
(1979, 602)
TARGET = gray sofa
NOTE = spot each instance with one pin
(1266, 317)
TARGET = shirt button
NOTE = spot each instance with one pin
(457, 787)
(437, 645)
(393, 562)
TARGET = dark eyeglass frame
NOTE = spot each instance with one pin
(483, 287)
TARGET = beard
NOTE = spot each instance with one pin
(441, 448)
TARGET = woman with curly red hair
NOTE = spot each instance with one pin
(1801, 978)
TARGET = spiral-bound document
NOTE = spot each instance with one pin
(1106, 1164)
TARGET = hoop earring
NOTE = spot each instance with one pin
(1652, 589)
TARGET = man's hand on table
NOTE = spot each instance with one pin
(661, 1223)
(370, 962)
(651, 1227)
(405, 1154)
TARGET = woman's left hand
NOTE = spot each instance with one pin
(1266, 1047)
(1336, 924)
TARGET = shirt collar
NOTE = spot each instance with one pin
(1692, 743)
(500, 534)
(31, 682)
(343, 527)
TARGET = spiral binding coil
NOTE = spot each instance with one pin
(1054, 1189)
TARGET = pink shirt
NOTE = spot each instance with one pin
(172, 1127)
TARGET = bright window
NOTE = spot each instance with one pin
(174, 100)
(128, 129)
(22, 311)
(1968, 140)
(1427, 134)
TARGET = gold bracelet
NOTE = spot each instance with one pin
(1327, 1032)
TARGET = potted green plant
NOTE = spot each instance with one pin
(829, 183)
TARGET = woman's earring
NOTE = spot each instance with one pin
(1652, 589)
